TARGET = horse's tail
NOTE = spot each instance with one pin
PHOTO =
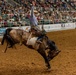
(5, 35)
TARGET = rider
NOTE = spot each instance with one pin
(34, 22)
(34, 25)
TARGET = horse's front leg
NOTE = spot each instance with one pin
(43, 54)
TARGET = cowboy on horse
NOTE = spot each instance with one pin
(35, 37)
(35, 30)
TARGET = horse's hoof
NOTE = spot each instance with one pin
(48, 69)
(3, 51)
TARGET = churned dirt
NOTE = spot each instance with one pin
(25, 61)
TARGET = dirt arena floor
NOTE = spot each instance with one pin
(25, 61)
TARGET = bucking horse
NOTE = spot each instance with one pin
(14, 36)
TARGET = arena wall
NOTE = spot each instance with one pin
(48, 28)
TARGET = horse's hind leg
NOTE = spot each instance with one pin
(6, 48)
(43, 54)
(2, 42)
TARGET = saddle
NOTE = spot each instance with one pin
(37, 32)
(36, 36)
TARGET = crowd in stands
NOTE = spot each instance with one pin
(46, 11)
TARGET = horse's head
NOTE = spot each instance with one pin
(53, 50)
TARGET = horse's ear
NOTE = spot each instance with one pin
(53, 42)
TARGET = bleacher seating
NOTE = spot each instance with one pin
(47, 12)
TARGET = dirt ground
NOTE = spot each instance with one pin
(25, 61)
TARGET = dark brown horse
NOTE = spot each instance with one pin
(14, 36)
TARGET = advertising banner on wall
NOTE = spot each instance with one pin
(2, 30)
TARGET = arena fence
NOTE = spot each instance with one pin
(48, 28)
